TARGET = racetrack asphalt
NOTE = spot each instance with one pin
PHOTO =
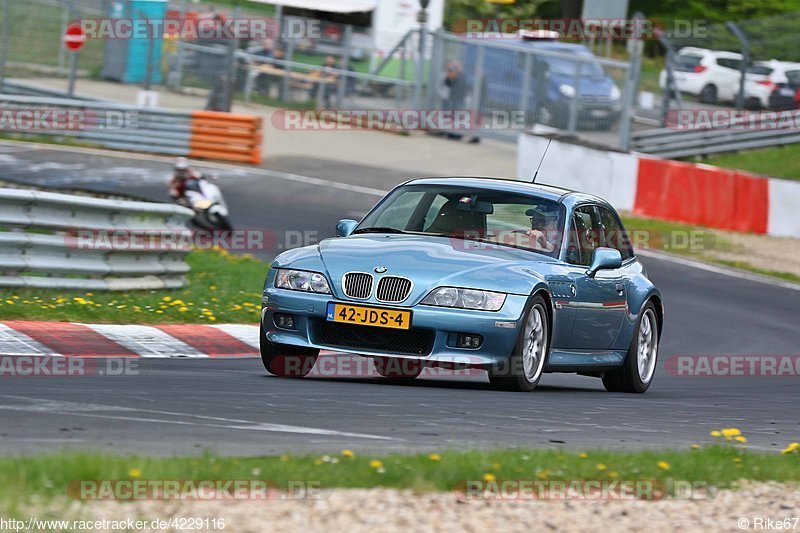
(234, 407)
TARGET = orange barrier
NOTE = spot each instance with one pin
(226, 136)
(700, 194)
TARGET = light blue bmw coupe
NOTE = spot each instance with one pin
(514, 278)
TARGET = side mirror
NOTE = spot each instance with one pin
(345, 227)
(604, 259)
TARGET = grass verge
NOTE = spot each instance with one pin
(718, 465)
(692, 241)
(221, 288)
(779, 162)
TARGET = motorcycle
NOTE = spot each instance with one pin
(205, 199)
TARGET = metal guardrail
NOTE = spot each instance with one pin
(673, 143)
(53, 240)
(117, 126)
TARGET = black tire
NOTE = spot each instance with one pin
(511, 375)
(709, 94)
(627, 378)
(223, 223)
(398, 368)
(286, 361)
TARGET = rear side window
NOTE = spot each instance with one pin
(735, 64)
(614, 236)
(793, 76)
(687, 62)
(758, 69)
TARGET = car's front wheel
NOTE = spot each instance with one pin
(285, 360)
(524, 368)
(636, 374)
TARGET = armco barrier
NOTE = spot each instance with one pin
(65, 241)
(670, 190)
(202, 134)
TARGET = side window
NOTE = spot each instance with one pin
(584, 235)
(614, 235)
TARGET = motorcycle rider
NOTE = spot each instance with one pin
(183, 178)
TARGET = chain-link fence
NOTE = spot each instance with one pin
(35, 30)
(520, 84)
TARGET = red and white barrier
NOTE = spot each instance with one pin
(31, 338)
(670, 190)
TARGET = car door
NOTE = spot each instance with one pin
(599, 302)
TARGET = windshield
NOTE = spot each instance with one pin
(569, 67)
(504, 218)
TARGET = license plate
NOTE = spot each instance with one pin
(786, 92)
(369, 316)
(599, 113)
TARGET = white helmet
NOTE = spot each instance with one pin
(181, 163)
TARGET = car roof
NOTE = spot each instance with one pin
(706, 51)
(548, 192)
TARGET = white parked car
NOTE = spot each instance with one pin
(768, 83)
(710, 75)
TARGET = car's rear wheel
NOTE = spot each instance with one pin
(636, 374)
(709, 94)
(524, 368)
(285, 360)
(398, 368)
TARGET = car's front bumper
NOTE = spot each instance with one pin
(440, 325)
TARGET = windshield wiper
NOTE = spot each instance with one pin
(379, 229)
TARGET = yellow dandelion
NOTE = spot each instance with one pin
(583, 455)
(663, 465)
(613, 474)
(135, 473)
(740, 438)
(737, 459)
(183, 309)
(317, 462)
(489, 477)
(793, 447)
(601, 466)
(284, 458)
(730, 432)
(348, 453)
(716, 433)
(695, 446)
(435, 457)
(212, 287)
(375, 463)
(166, 299)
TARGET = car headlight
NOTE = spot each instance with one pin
(465, 299)
(302, 280)
(615, 93)
(566, 90)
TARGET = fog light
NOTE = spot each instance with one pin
(283, 321)
(471, 342)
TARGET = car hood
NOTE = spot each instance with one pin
(429, 262)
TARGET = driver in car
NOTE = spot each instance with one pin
(544, 234)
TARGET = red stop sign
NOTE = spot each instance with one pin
(74, 37)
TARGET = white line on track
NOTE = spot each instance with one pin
(725, 271)
(90, 410)
(297, 178)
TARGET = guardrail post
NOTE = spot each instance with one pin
(737, 31)
(629, 97)
(344, 79)
(284, 96)
(572, 126)
(4, 43)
